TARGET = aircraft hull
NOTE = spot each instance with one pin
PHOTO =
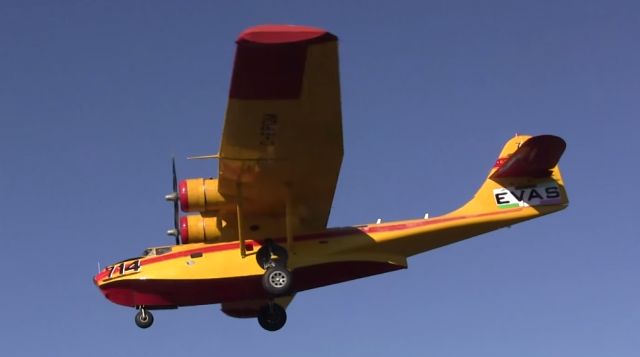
(168, 293)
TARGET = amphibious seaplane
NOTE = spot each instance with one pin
(259, 233)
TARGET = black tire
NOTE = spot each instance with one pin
(272, 317)
(277, 280)
(280, 252)
(264, 255)
(144, 320)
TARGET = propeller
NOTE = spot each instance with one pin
(173, 197)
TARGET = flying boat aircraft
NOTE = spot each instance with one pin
(259, 234)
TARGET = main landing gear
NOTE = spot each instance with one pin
(273, 259)
(276, 281)
(272, 317)
(144, 318)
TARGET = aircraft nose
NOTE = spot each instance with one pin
(102, 285)
(99, 277)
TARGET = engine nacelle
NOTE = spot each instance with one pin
(198, 228)
(200, 195)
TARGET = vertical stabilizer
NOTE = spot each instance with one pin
(525, 175)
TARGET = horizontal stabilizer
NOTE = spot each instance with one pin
(536, 157)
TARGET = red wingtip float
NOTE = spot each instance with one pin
(259, 233)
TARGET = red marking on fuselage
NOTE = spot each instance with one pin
(427, 222)
(185, 292)
(500, 162)
(332, 233)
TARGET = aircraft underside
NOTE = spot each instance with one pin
(169, 293)
(241, 296)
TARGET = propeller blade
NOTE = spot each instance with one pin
(174, 197)
(175, 176)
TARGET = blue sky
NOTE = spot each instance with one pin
(95, 97)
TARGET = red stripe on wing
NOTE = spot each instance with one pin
(270, 61)
(279, 34)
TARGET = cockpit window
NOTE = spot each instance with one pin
(163, 250)
(150, 252)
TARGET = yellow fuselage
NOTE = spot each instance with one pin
(222, 272)
(202, 273)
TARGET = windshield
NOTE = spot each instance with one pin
(150, 252)
(163, 250)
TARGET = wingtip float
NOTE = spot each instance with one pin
(260, 235)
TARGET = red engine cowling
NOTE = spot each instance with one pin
(200, 195)
(199, 228)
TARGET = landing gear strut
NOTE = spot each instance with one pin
(144, 318)
(273, 258)
(272, 317)
(271, 254)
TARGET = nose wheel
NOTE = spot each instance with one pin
(272, 317)
(273, 259)
(144, 318)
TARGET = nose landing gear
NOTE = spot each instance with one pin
(144, 318)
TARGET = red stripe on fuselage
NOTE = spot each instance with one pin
(427, 222)
(332, 233)
(186, 292)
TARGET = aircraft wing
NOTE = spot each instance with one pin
(281, 145)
